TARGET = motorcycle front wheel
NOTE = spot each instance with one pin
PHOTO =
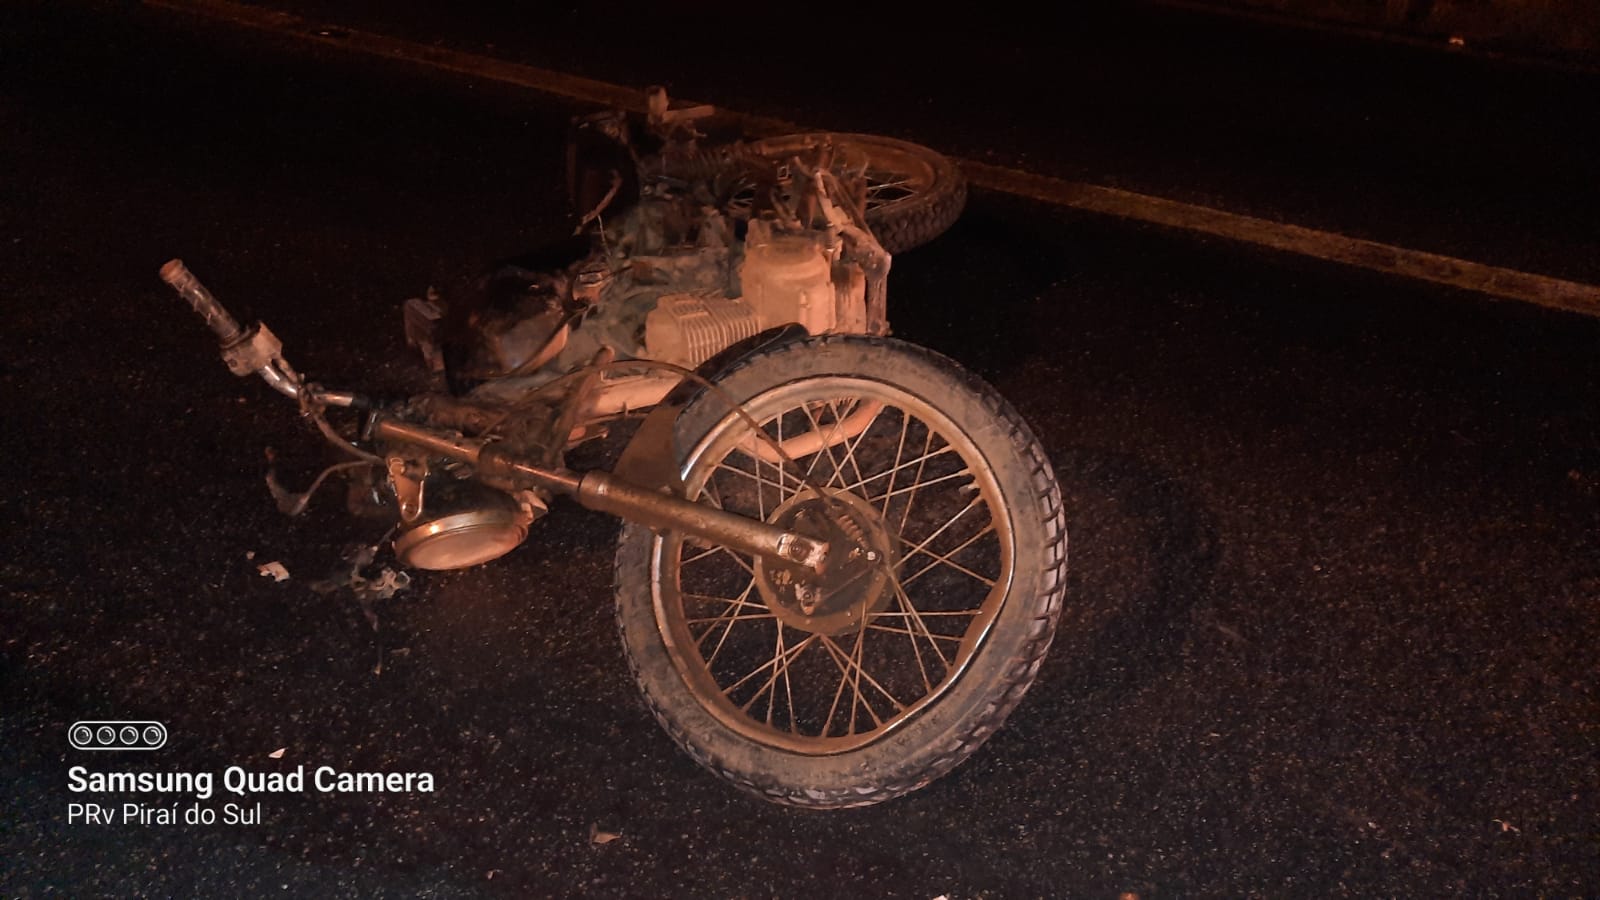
(887, 671)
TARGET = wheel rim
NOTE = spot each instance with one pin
(875, 648)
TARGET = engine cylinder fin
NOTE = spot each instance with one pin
(688, 329)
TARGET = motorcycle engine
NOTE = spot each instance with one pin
(783, 278)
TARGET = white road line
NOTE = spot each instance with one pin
(1509, 284)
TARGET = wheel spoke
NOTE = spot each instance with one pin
(744, 618)
(913, 488)
(788, 688)
(919, 548)
(788, 483)
(827, 443)
(855, 684)
(940, 560)
(929, 613)
(711, 491)
(735, 557)
(838, 692)
(850, 446)
(781, 671)
(915, 619)
(945, 559)
(781, 470)
(905, 514)
(888, 629)
(836, 654)
(918, 461)
(733, 606)
(853, 672)
(754, 476)
(701, 555)
(774, 664)
(886, 192)
(899, 454)
(768, 687)
(916, 652)
(861, 644)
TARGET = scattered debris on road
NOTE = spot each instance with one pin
(273, 570)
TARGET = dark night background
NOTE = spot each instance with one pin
(1334, 581)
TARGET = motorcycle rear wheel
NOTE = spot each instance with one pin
(896, 670)
(914, 194)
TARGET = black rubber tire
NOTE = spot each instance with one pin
(1005, 663)
(906, 222)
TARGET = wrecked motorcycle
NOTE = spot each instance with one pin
(842, 557)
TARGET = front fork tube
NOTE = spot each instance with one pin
(604, 492)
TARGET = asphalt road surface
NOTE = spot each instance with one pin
(1333, 597)
(1422, 149)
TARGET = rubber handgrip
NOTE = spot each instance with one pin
(205, 305)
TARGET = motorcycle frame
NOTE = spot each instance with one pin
(256, 351)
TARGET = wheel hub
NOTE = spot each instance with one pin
(855, 586)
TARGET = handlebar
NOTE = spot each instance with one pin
(254, 350)
(225, 327)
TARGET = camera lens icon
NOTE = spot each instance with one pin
(117, 735)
